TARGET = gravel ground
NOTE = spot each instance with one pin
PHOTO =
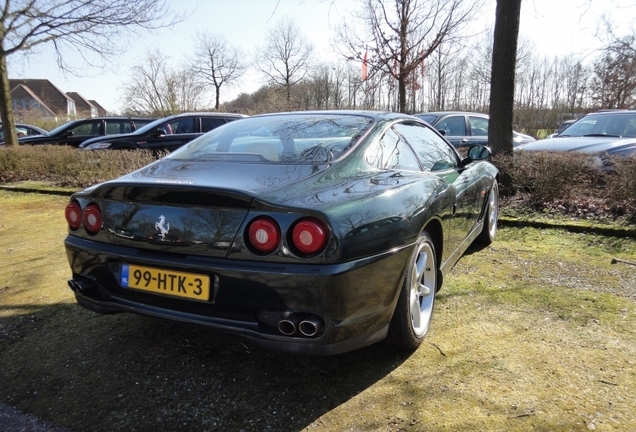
(13, 420)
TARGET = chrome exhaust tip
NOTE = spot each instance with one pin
(310, 326)
(289, 324)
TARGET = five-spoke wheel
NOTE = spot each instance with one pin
(414, 310)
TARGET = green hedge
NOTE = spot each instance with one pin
(540, 180)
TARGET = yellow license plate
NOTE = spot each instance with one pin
(168, 282)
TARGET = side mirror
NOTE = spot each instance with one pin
(441, 131)
(478, 152)
(159, 133)
(68, 134)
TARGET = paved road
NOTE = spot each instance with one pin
(14, 420)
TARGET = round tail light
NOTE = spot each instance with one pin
(73, 214)
(264, 234)
(92, 218)
(309, 236)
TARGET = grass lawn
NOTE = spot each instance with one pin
(536, 332)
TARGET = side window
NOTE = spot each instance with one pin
(139, 123)
(478, 126)
(184, 125)
(89, 128)
(391, 152)
(453, 126)
(207, 123)
(117, 127)
(434, 153)
(169, 127)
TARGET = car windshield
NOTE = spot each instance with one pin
(281, 138)
(614, 125)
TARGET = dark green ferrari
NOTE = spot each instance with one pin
(307, 232)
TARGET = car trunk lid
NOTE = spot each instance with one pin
(174, 219)
(191, 210)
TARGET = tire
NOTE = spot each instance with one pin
(488, 232)
(414, 309)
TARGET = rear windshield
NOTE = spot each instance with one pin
(284, 138)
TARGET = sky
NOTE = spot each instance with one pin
(553, 27)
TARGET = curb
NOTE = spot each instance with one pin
(37, 191)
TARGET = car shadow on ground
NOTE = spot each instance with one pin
(475, 247)
(86, 371)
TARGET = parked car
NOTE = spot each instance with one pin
(242, 230)
(604, 132)
(464, 129)
(563, 126)
(518, 138)
(75, 132)
(23, 129)
(166, 134)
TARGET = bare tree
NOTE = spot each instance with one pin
(286, 56)
(575, 77)
(324, 89)
(156, 89)
(614, 81)
(217, 62)
(400, 34)
(83, 25)
(440, 67)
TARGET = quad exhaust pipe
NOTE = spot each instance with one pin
(306, 324)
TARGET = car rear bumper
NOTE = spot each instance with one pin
(349, 304)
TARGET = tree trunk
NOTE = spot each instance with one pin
(502, 82)
(502, 85)
(217, 99)
(6, 107)
(402, 94)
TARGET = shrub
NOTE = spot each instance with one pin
(67, 166)
(548, 176)
(623, 179)
(570, 183)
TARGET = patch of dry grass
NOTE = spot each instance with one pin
(535, 332)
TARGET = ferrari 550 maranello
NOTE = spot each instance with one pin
(307, 232)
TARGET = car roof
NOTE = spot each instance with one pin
(442, 113)
(377, 115)
(613, 112)
(206, 114)
(116, 118)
